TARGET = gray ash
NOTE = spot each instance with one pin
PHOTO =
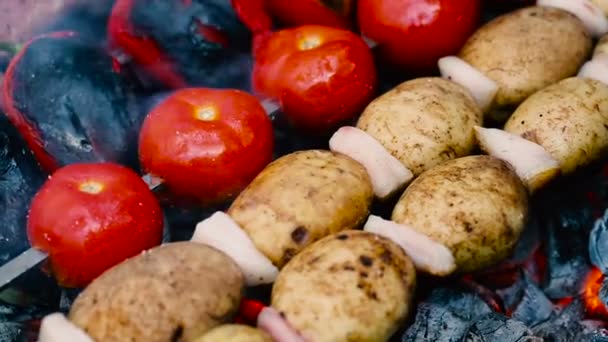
(445, 315)
(450, 315)
(598, 244)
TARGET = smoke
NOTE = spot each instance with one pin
(25, 18)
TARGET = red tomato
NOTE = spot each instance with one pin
(312, 12)
(322, 76)
(206, 144)
(90, 217)
(414, 34)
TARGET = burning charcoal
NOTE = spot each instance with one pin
(71, 103)
(487, 295)
(534, 307)
(20, 324)
(593, 294)
(434, 323)
(527, 302)
(566, 250)
(497, 327)
(528, 242)
(598, 244)
(10, 331)
(465, 305)
(603, 294)
(20, 178)
(445, 315)
(600, 335)
(564, 327)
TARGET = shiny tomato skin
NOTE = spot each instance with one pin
(414, 34)
(89, 217)
(206, 144)
(318, 87)
(312, 12)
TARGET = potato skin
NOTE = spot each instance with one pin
(173, 292)
(476, 206)
(350, 286)
(569, 119)
(528, 49)
(300, 198)
(234, 333)
(423, 122)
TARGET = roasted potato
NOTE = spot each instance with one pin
(174, 292)
(528, 49)
(234, 333)
(350, 286)
(423, 122)
(568, 119)
(476, 206)
(300, 198)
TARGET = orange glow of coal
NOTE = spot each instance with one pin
(591, 290)
(563, 302)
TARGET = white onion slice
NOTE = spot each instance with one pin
(596, 68)
(428, 255)
(532, 163)
(387, 173)
(221, 232)
(479, 85)
(57, 328)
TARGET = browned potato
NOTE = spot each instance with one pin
(528, 49)
(174, 292)
(568, 119)
(350, 286)
(300, 198)
(476, 206)
(423, 122)
(234, 333)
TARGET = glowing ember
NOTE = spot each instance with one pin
(591, 289)
(563, 302)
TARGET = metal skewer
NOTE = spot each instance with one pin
(33, 257)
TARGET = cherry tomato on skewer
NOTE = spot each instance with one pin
(321, 76)
(89, 217)
(414, 34)
(206, 144)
